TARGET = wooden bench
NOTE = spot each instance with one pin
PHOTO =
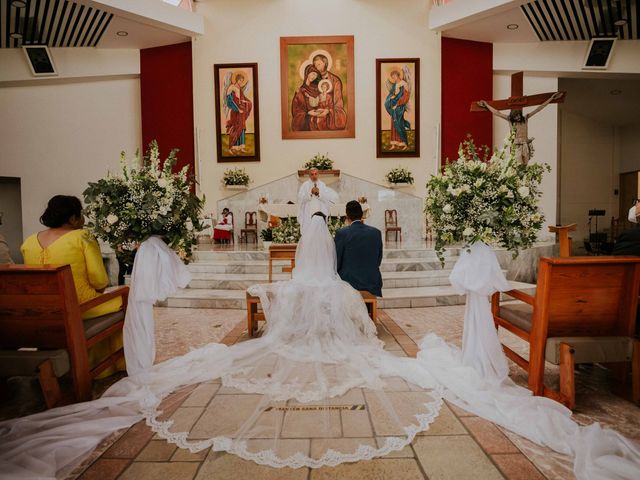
(39, 309)
(254, 316)
(584, 311)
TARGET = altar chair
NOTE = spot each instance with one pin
(391, 225)
(583, 311)
(250, 227)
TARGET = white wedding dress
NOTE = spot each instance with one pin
(318, 357)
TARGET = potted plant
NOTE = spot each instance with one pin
(266, 234)
(322, 162)
(236, 179)
(399, 177)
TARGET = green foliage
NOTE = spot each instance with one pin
(319, 161)
(335, 224)
(266, 234)
(236, 176)
(400, 175)
(287, 232)
(493, 201)
(146, 200)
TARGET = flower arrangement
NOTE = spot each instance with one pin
(495, 202)
(321, 162)
(335, 224)
(236, 176)
(287, 232)
(399, 175)
(145, 200)
(266, 234)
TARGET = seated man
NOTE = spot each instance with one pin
(222, 231)
(359, 251)
(628, 242)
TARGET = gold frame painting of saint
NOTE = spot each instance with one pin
(317, 87)
(236, 103)
(398, 107)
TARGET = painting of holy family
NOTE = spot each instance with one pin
(236, 100)
(317, 87)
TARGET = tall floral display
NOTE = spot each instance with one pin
(493, 200)
(146, 199)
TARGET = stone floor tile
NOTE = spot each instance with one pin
(160, 470)
(131, 443)
(356, 423)
(406, 452)
(445, 423)
(459, 411)
(201, 396)
(406, 406)
(488, 436)
(283, 447)
(223, 466)
(184, 455)
(515, 466)
(319, 446)
(377, 469)
(173, 401)
(156, 451)
(311, 423)
(105, 469)
(456, 457)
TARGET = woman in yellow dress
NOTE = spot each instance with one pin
(65, 242)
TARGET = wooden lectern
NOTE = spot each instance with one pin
(563, 235)
(283, 251)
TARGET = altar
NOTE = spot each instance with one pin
(284, 210)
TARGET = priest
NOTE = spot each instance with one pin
(314, 196)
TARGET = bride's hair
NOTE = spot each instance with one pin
(319, 214)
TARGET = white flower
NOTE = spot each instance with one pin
(111, 219)
(447, 208)
(523, 191)
(162, 183)
(478, 182)
(189, 225)
(467, 232)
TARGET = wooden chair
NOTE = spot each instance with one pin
(250, 227)
(254, 316)
(584, 311)
(391, 225)
(39, 309)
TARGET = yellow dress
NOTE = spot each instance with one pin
(81, 251)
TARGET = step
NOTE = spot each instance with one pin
(392, 297)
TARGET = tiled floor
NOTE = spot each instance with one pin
(456, 446)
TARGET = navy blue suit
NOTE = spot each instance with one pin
(359, 249)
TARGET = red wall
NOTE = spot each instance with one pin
(166, 88)
(467, 75)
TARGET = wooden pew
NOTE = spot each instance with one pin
(254, 316)
(584, 311)
(39, 309)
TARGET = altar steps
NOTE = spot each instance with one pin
(413, 277)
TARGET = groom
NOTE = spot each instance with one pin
(359, 249)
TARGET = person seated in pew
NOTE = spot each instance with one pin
(222, 230)
(628, 242)
(5, 254)
(65, 242)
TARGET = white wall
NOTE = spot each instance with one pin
(630, 148)
(249, 31)
(58, 137)
(543, 128)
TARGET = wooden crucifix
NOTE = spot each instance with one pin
(517, 120)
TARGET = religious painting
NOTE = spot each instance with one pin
(236, 104)
(317, 87)
(398, 107)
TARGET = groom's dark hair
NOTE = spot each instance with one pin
(354, 210)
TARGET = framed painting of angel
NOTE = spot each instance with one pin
(317, 86)
(236, 106)
(398, 107)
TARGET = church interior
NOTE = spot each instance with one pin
(375, 107)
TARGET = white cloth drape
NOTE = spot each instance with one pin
(157, 272)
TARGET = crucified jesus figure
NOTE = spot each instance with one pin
(518, 122)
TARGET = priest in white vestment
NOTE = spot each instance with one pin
(634, 213)
(314, 196)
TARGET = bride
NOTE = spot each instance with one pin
(316, 389)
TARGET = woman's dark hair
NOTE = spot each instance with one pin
(319, 214)
(60, 210)
(354, 210)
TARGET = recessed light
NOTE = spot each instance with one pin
(513, 26)
(616, 91)
(122, 33)
(16, 35)
(620, 22)
(19, 3)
